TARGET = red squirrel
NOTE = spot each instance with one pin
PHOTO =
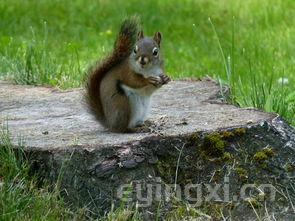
(119, 89)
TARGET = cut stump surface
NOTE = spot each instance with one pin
(50, 119)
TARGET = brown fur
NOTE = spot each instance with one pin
(116, 105)
(102, 82)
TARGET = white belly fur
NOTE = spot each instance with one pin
(140, 103)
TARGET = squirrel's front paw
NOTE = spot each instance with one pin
(165, 79)
(156, 81)
(159, 80)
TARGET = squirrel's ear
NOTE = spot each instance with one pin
(158, 37)
(140, 35)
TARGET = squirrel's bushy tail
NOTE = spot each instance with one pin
(123, 47)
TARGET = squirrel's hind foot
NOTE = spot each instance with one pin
(142, 127)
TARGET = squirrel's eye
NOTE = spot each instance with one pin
(135, 49)
(155, 51)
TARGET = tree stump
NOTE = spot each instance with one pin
(195, 138)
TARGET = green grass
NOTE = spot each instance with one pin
(246, 44)
(20, 196)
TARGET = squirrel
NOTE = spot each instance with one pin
(119, 89)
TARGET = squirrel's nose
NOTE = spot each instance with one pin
(143, 60)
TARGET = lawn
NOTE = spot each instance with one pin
(247, 44)
(20, 196)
